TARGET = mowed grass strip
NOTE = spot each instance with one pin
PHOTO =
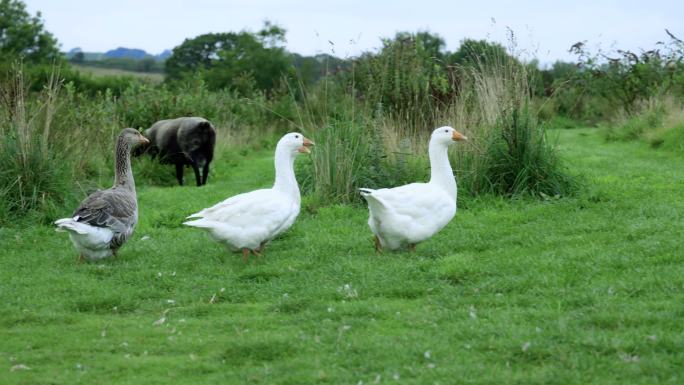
(570, 291)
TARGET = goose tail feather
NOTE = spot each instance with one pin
(375, 204)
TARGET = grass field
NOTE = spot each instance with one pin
(579, 290)
(98, 72)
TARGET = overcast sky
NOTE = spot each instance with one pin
(544, 29)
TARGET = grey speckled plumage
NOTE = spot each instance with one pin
(105, 220)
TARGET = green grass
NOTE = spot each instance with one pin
(572, 291)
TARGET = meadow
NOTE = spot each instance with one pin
(581, 289)
(103, 72)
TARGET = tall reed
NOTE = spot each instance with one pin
(33, 173)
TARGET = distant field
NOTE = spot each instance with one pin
(97, 71)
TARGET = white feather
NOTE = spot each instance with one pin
(251, 219)
(415, 212)
(92, 242)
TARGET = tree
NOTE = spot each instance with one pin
(79, 57)
(146, 64)
(478, 53)
(23, 36)
(407, 77)
(430, 45)
(197, 54)
(233, 60)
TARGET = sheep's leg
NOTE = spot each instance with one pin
(179, 173)
(205, 173)
(198, 178)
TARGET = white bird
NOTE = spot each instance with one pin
(406, 215)
(248, 221)
(105, 219)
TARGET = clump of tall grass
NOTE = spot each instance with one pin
(509, 152)
(55, 144)
(336, 166)
(33, 175)
(368, 150)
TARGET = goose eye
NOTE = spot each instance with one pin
(446, 130)
(296, 136)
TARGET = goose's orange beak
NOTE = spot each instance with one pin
(458, 136)
(305, 148)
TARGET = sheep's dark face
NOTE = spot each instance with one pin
(198, 145)
(196, 151)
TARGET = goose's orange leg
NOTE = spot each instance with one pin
(261, 247)
(245, 255)
(378, 245)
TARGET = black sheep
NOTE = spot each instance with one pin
(183, 141)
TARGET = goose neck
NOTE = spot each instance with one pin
(123, 175)
(285, 180)
(441, 173)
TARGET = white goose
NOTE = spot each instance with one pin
(105, 219)
(248, 221)
(406, 215)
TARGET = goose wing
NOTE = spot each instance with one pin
(254, 206)
(413, 202)
(113, 209)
